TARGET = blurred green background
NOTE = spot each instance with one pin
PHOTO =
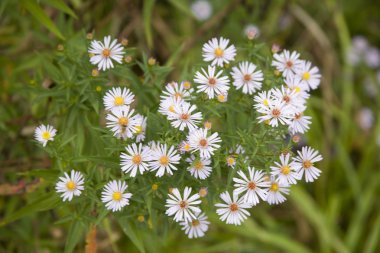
(340, 212)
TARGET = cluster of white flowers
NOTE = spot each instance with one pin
(283, 105)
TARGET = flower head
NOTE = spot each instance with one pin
(163, 160)
(285, 171)
(276, 192)
(206, 145)
(287, 62)
(118, 98)
(218, 52)
(247, 77)
(70, 186)
(104, 53)
(122, 122)
(211, 83)
(233, 210)
(304, 163)
(199, 168)
(183, 208)
(135, 160)
(114, 195)
(44, 134)
(197, 227)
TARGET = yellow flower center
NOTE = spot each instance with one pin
(195, 223)
(154, 187)
(116, 196)
(46, 135)
(164, 160)
(123, 121)
(306, 76)
(234, 207)
(171, 108)
(186, 147)
(307, 164)
(178, 95)
(187, 85)
(285, 170)
(230, 161)
(297, 89)
(218, 52)
(119, 100)
(106, 52)
(208, 125)
(274, 187)
(221, 98)
(71, 186)
(138, 129)
(198, 165)
(136, 159)
(266, 102)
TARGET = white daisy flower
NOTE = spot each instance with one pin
(184, 147)
(136, 159)
(254, 185)
(184, 116)
(251, 31)
(310, 75)
(199, 141)
(299, 123)
(118, 97)
(197, 227)
(233, 210)
(276, 192)
(176, 91)
(262, 100)
(218, 52)
(201, 9)
(285, 172)
(210, 83)
(169, 105)
(222, 97)
(295, 83)
(163, 160)
(304, 163)
(114, 195)
(70, 186)
(103, 54)
(199, 168)
(287, 62)
(277, 111)
(183, 209)
(122, 122)
(140, 128)
(44, 134)
(247, 77)
(289, 97)
(231, 161)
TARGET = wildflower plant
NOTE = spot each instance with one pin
(129, 143)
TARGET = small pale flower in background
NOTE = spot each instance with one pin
(287, 62)
(70, 186)
(135, 160)
(218, 52)
(211, 83)
(122, 122)
(222, 97)
(251, 31)
(201, 9)
(197, 227)
(44, 134)
(253, 186)
(365, 118)
(164, 159)
(183, 208)
(309, 75)
(114, 195)
(184, 147)
(203, 191)
(285, 172)
(276, 192)
(199, 168)
(231, 161)
(104, 53)
(247, 77)
(118, 98)
(232, 210)
(206, 145)
(304, 163)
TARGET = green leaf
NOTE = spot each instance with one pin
(46, 202)
(60, 5)
(74, 235)
(130, 231)
(36, 11)
(147, 14)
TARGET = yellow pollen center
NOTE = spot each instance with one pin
(186, 85)
(230, 160)
(171, 108)
(138, 129)
(274, 187)
(219, 52)
(306, 76)
(136, 159)
(116, 196)
(234, 207)
(46, 135)
(106, 52)
(123, 121)
(178, 95)
(247, 77)
(285, 170)
(198, 165)
(195, 223)
(307, 164)
(71, 185)
(164, 160)
(182, 204)
(221, 97)
(251, 185)
(119, 100)
(297, 89)
(266, 102)
(186, 147)
(203, 142)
